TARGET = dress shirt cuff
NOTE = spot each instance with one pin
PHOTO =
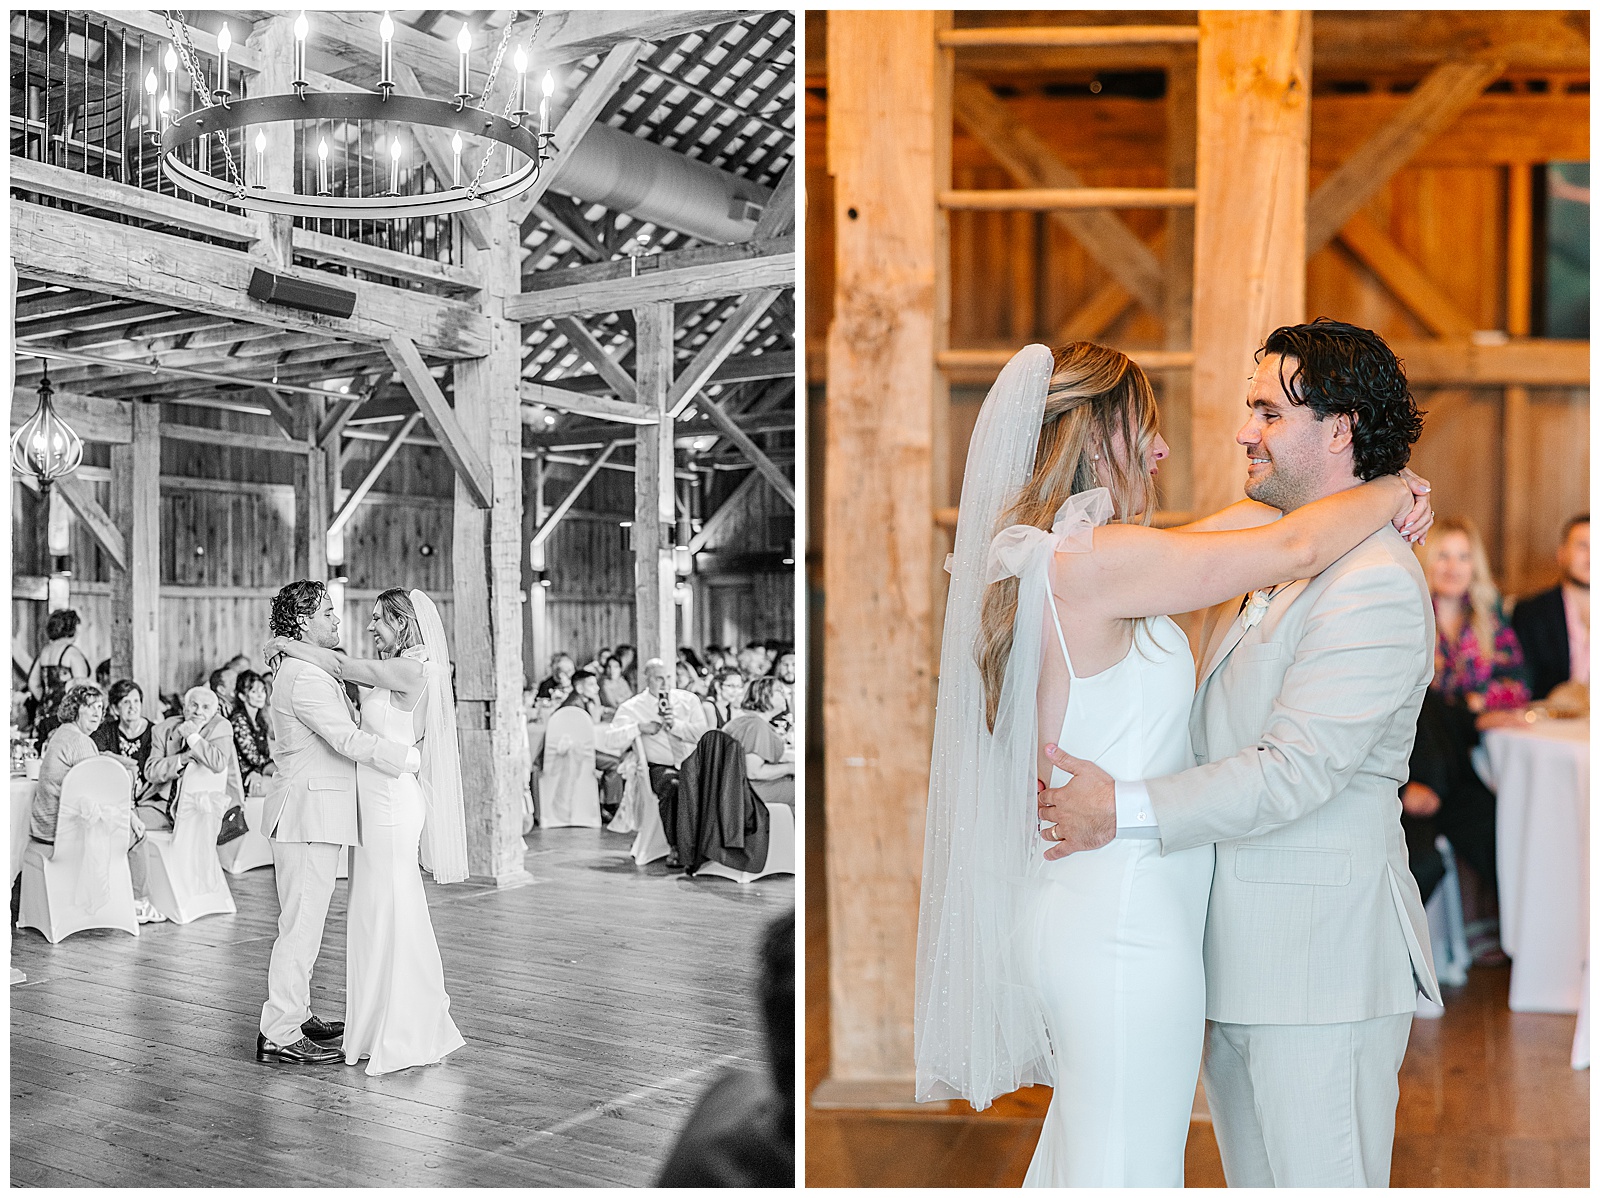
(413, 760)
(1136, 819)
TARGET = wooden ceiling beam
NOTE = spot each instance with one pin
(733, 330)
(680, 276)
(109, 195)
(778, 217)
(561, 215)
(1406, 281)
(1026, 157)
(576, 402)
(370, 478)
(79, 496)
(1447, 91)
(757, 457)
(590, 349)
(411, 370)
(52, 245)
(103, 421)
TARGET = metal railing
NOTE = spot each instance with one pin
(78, 101)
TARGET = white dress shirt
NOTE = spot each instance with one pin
(662, 746)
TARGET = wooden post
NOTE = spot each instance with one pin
(1177, 386)
(273, 42)
(654, 619)
(486, 565)
(311, 511)
(1516, 434)
(888, 86)
(537, 649)
(1254, 94)
(136, 592)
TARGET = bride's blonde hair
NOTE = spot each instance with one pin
(1095, 393)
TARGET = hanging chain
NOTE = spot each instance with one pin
(180, 39)
(511, 95)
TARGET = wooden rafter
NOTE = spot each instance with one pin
(542, 533)
(1408, 282)
(733, 329)
(562, 215)
(579, 404)
(368, 480)
(413, 372)
(735, 502)
(79, 496)
(757, 458)
(579, 337)
(777, 218)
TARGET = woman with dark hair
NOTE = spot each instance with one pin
(81, 711)
(614, 688)
(125, 733)
(768, 760)
(59, 664)
(722, 704)
(1086, 972)
(397, 1013)
(252, 738)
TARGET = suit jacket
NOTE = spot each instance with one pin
(1305, 723)
(212, 746)
(313, 795)
(1540, 622)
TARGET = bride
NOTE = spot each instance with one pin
(1057, 630)
(397, 1013)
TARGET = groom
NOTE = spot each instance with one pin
(1316, 940)
(310, 815)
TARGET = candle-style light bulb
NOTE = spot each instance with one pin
(150, 85)
(322, 166)
(170, 62)
(224, 44)
(464, 44)
(165, 109)
(548, 87)
(394, 166)
(520, 61)
(302, 28)
(455, 172)
(386, 52)
(261, 158)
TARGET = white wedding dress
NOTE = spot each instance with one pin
(1118, 940)
(397, 1013)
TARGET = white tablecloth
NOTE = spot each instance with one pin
(21, 807)
(1541, 779)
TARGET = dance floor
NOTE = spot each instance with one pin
(1487, 1098)
(596, 1005)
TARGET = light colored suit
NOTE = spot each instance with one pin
(1316, 939)
(309, 814)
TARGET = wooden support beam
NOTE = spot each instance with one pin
(571, 35)
(135, 595)
(106, 421)
(273, 43)
(1437, 101)
(541, 534)
(654, 490)
(282, 410)
(1064, 199)
(678, 277)
(436, 148)
(413, 372)
(562, 215)
(887, 86)
(1071, 35)
(79, 496)
(227, 437)
(581, 404)
(731, 506)
(598, 88)
(1176, 483)
(742, 368)
(369, 480)
(733, 330)
(1408, 282)
(56, 246)
(609, 369)
(778, 217)
(1253, 123)
(1523, 362)
(486, 567)
(312, 501)
(375, 258)
(1517, 481)
(764, 465)
(1033, 164)
(107, 195)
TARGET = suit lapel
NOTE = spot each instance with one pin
(1281, 599)
(1220, 647)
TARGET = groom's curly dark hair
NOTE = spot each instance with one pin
(294, 603)
(1342, 369)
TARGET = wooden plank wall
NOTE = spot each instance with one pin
(1016, 276)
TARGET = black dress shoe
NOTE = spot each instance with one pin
(302, 1052)
(319, 1030)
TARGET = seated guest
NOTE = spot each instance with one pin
(126, 734)
(252, 739)
(690, 681)
(1553, 626)
(669, 723)
(1478, 682)
(741, 1132)
(81, 711)
(768, 761)
(722, 704)
(630, 669)
(699, 674)
(614, 688)
(586, 697)
(222, 683)
(752, 661)
(200, 734)
(783, 669)
(102, 674)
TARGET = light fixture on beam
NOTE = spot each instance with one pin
(46, 446)
(58, 591)
(220, 113)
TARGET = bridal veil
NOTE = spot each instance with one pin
(444, 831)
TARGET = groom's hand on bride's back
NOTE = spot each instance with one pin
(1082, 813)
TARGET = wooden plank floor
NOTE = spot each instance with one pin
(1487, 1098)
(596, 1005)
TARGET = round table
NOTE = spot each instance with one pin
(22, 789)
(1540, 774)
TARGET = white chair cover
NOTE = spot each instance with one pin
(252, 850)
(780, 849)
(84, 883)
(636, 792)
(186, 878)
(1451, 957)
(569, 793)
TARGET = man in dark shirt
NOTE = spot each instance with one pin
(1553, 626)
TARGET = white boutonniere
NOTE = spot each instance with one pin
(1256, 607)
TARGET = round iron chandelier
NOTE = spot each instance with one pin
(221, 116)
